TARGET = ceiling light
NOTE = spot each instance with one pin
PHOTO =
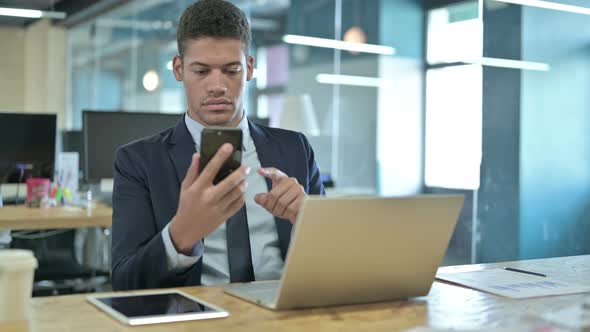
(355, 35)
(364, 81)
(30, 13)
(549, 5)
(151, 80)
(338, 44)
(507, 63)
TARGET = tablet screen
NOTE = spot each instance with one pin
(154, 305)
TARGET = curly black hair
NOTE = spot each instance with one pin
(213, 18)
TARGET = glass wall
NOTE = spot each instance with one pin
(339, 98)
(507, 122)
(485, 98)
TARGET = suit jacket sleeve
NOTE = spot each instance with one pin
(139, 256)
(315, 184)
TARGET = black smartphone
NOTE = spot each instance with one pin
(212, 138)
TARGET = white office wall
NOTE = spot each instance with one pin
(45, 70)
(12, 82)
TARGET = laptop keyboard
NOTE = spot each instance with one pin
(266, 291)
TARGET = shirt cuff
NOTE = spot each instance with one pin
(177, 261)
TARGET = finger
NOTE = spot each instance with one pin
(272, 173)
(231, 181)
(234, 207)
(284, 203)
(214, 165)
(294, 208)
(275, 194)
(192, 173)
(234, 194)
(260, 199)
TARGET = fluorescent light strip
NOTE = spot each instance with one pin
(338, 44)
(549, 5)
(20, 12)
(507, 63)
(30, 13)
(373, 82)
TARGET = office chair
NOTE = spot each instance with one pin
(58, 272)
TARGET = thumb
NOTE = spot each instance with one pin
(272, 173)
(192, 173)
(261, 199)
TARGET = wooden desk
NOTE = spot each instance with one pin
(22, 217)
(447, 306)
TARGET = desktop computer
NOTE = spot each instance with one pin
(104, 131)
(27, 149)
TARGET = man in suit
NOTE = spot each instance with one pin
(171, 225)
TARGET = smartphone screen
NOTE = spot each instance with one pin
(212, 139)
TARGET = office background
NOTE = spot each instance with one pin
(485, 98)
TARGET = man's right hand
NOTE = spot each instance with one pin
(203, 206)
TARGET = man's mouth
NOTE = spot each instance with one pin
(217, 104)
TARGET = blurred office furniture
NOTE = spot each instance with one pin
(298, 114)
(104, 132)
(27, 149)
(23, 218)
(59, 270)
(446, 307)
(71, 141)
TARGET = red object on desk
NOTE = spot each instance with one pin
(37, 188)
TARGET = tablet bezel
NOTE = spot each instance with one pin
(154, 319)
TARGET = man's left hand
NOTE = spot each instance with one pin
(286, 196)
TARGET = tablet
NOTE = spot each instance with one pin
(155, 307)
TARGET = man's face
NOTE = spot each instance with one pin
(214, 72)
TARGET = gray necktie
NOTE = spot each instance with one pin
(238, 248)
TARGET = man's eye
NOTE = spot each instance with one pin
(200, 72)
(234, 71)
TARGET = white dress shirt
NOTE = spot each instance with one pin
(264, 240)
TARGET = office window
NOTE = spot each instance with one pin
(454, 97)
(453, 127)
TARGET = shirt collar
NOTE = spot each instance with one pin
(195, 128)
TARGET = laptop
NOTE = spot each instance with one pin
(359, 250)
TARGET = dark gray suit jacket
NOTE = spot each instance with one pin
(147, 176)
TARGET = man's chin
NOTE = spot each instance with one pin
(215, 118)
(221, 119)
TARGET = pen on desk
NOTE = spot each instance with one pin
(523, 271)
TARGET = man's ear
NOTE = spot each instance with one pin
(177, 68)
(250, 65)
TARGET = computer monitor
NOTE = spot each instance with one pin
(105, 131)
(71, 141)
(27, 146)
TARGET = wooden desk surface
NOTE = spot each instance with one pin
(447, 306)
(22, 217)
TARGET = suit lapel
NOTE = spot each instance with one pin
(181, 149)
(270, 154)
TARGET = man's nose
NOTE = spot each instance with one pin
(216, 85)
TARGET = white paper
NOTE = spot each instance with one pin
(512, 284)
(67, 171)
